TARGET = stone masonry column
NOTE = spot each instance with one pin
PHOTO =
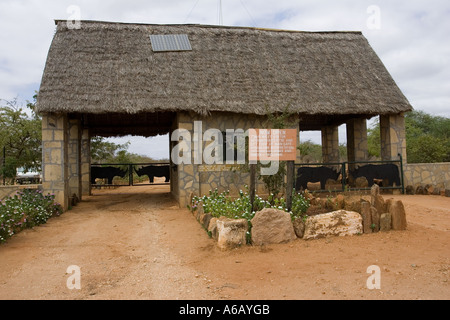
(85, 159)
(74, 159)
(55, 157)
(188, 175)
(393, 137)
(357, 147)
(330, 144)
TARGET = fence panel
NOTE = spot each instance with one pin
(388, 174)
(322, 173)
(127, 171)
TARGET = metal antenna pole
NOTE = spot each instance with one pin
(220, 13)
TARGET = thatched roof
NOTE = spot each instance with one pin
(111, 67)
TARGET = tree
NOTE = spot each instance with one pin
(310, 152)
(21, 137)
(426, 149)
(427, 138)
(373, 140)
(436, 126)
(103, 151)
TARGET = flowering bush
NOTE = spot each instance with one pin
(26, 209)
(221, 204)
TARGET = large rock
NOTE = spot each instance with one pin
(409, 189)
(398, 214)
(375, 215)
(336, 223)
(340, 201)
(385, 221)
(212, 228)
(419, 190)
(205, 219)
(376, 200)
(428, 189)
(272, 226)
(231, 232)
(199, 212)
(366, 217)
(299, 227)
(361, 182)
(437, 191)
(352, 205)
(374, 191)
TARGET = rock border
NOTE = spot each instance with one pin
(343, 217)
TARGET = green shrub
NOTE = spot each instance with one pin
(221, 204)
(24, 210)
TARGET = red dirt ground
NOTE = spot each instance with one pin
(135, 243)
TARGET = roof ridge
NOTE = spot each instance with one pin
(208, 26)
(112, 67)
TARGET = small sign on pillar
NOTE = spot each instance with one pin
(273, 145)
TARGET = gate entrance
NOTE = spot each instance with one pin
(130, 174)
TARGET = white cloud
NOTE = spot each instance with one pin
(155, 147)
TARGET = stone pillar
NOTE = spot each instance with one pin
(330, 144)
(85, 159)
(188, 175)
(55, 157)
(357, 147)
(393, 137)
(73, 156)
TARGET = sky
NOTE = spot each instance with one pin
(412, 38)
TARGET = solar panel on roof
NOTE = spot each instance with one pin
(170, 42)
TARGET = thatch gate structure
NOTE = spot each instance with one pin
(107, 79)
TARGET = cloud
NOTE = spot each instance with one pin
(413, 43)
(155, 147)
(27, 30)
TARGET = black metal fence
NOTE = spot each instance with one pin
(388, 174)
(106, 172)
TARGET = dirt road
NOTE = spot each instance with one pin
(132, 245)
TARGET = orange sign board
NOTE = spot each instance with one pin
(272, 144)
